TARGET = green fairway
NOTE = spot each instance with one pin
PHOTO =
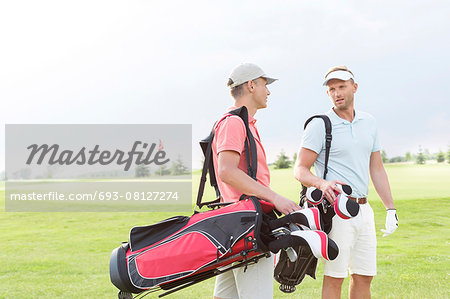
(66, 255)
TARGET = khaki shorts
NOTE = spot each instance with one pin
(357, 244)
(256, 282)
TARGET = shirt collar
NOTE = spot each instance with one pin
(251, 120)
(337, 120)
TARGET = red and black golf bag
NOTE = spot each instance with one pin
(181, 250)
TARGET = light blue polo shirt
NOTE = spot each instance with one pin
(351, 147)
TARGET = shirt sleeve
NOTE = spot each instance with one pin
(230, 135)
(376, 140)
(313, 137)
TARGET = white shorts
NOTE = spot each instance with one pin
(256, 282)
(357, 244)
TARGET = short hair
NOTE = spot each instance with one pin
(237, 91)
(339, 68)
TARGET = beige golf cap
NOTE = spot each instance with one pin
(247, 72)
(339, 74)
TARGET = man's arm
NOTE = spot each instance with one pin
(381, 184)
(231, 174)
(302, 172)
(380, 180)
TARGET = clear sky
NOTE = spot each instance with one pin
(168, 62)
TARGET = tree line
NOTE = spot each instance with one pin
(178, 168)
(420, 157)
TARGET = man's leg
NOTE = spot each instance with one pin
(335, 271)
(257, 281)
(225, 287)
(360, 286)
(363, 264)
(331, 287)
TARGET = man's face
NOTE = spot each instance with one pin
(260, 92)
(341, 93)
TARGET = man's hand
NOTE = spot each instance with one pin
(391, 222)
(329, 188)
(285, 205)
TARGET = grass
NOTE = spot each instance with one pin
(66, 255)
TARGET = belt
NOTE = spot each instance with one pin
(361, 201)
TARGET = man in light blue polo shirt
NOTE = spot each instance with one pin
(355, 152)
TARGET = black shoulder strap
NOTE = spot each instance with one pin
(328, 138)
(208, 165)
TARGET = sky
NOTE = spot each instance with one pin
(167, 62)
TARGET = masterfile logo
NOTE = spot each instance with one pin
(94, 156)
(98, 167)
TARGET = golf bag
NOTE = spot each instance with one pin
(181, 251)
(185, 250)
(291, 273)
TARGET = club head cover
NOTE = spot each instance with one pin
(319, 243)
(345, 207)
(346, 189)
(314, 196)
(321, 246)
(308, 219)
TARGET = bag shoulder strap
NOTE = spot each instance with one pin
(328, 138)
(208, 165)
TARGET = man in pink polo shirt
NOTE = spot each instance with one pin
(248, 84)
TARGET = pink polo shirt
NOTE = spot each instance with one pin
(230, 135)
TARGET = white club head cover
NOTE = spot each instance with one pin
(311, 217)
(321, 246)
(346, 189)
(344, 207)
(314, 196)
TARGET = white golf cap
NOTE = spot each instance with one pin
(246, 72)
(341, 75)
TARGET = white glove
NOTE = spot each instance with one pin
(391, 222)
